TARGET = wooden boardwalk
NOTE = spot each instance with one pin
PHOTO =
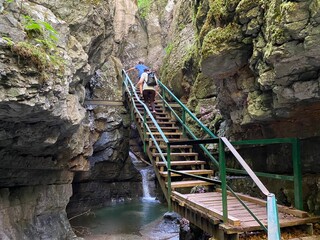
(209, 205)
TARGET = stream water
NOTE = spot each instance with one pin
(136, 219)
(122, 218)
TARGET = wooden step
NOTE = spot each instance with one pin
(172, 139)
(162, 118)
(162, 123)
(165, 128)
(183, 154)
(158, 112)
(193, 172)
(163, 146)
(181, 163)
(138, 103)
(189, 183)
(166, 133)
(141, 108)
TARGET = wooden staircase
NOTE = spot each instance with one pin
(184, 158)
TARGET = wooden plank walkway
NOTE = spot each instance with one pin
(239, 219)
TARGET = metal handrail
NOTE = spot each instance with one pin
(215, 181)
(246, 166)
(183, 123)
(297, 175)
(221, 182)
(296, 162)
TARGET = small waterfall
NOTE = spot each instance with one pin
(145, 173)
(145, 184)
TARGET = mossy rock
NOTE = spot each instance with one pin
(260, 105)
(204, 87)
(247, 5)
(201, 14)
(218, 13)
(221, 38)
(224, 52)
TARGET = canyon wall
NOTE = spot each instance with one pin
(51, 54)
(249, 70)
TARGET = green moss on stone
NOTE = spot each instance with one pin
(288, 7)
(259, 105)
(201, 14)
(314, 8)
(246, 5)
(218, 8)
(219, 38)
(207, 26)
(38, 57)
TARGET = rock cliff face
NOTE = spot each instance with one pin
(147, 35)
(50, 51)
(248, 69)
(251, 73)
(41, 133)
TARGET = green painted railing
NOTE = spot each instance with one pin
(182, 120)
(223, 142)
(273, 230)
(297, 175)
(296, 163)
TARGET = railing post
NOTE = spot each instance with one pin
(169, 176)
(144, 131)
(273, 219)
(163, 96)
(297, 175)
(183, 121)
(222, 169)
(131, 113)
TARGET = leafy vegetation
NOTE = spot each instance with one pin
(144, 7)
(42, 32)
(168, 48)
(39, 58)
(40, 47)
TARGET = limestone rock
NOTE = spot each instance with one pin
(30, 212)
(179, 64)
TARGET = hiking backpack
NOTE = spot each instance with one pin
(151, 81)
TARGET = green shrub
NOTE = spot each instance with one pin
(42, 32)
(144, 7)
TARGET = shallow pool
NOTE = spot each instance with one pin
(121, 218)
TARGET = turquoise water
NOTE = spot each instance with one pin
(121, 218)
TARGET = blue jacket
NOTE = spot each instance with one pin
(141, 68)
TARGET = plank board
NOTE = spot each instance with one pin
(239, 219)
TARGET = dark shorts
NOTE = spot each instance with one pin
(149, 95)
